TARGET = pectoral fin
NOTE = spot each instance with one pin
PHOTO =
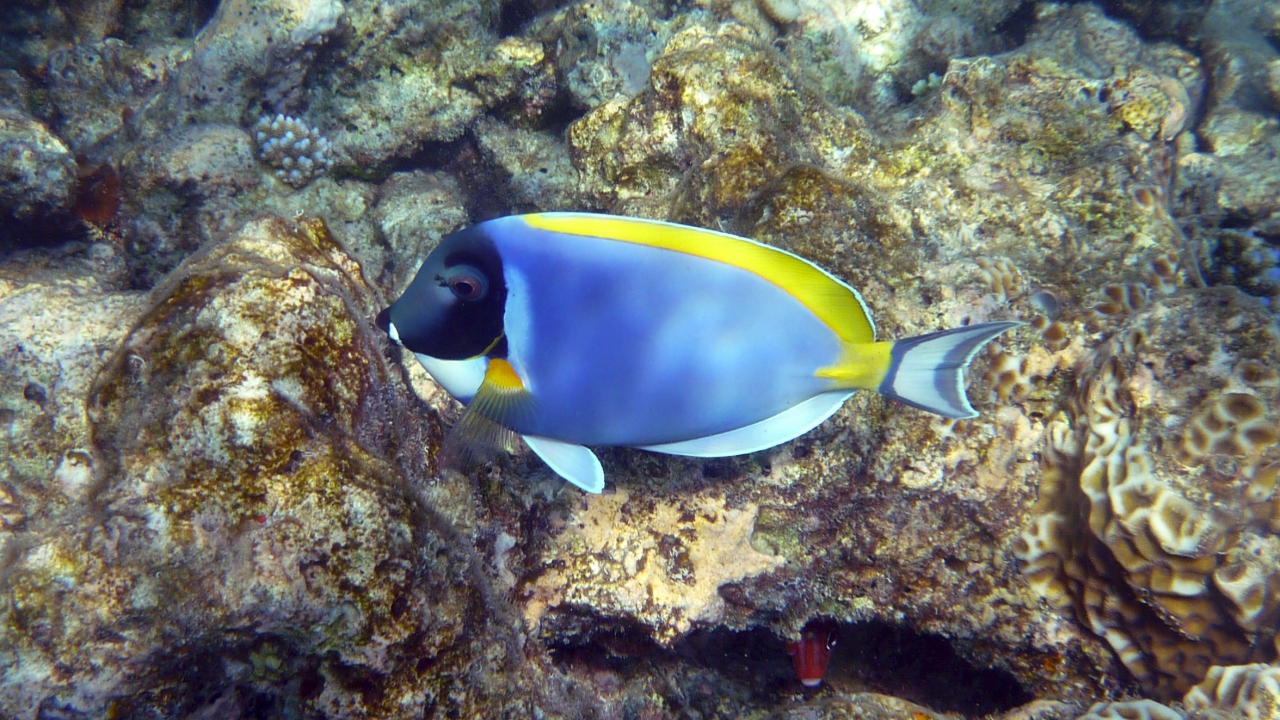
(498, 405)
(574, 463)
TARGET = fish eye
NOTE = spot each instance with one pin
(466, 282)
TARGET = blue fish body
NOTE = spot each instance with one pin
(577, 330)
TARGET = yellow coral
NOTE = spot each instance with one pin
(1252, 691)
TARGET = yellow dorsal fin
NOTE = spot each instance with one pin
(835, 303)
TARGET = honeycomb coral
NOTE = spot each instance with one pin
(1122, 299)
(1158, 498)
(1002, 276)
(1167, 274)
(1009, 377)
(1055, 334)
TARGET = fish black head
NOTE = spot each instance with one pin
(453, 309)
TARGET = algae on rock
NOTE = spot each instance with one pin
(241, 517)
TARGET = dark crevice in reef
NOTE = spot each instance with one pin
(147, 21)
(515, 14)
(710, 671)
(752, 668)
(1017, 26)
(1173, 20)
(481, 182)
(44, 231)
(553, 119)
(198, 14)
(922, 668)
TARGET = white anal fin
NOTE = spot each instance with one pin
(786, 425)
(574, 463)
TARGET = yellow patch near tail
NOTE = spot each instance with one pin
(837, 305)
(862, 366)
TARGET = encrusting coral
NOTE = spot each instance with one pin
(664, 568)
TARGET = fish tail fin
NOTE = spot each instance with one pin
(927, 371)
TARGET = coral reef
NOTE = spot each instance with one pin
(1226, 189)
(1131, 710)
(252, 49)
(37, 172)
(95, 91)
(663, 569)
(413, 211)
(238, 508)
(603, 49)
(1248, 690)
(220, 497)
(541, 175)
(44, 378)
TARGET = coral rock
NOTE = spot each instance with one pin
(663, 568)
(37, 172)
(232, 523)
(414, 210)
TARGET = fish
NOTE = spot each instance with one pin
(575, 330)
(811, 653)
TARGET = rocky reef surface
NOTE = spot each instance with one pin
(219, 491)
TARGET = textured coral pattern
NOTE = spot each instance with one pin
(1158, 503)
(1251, 691)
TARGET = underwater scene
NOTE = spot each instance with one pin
(640, 359)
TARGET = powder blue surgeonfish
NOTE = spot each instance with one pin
(575, 330)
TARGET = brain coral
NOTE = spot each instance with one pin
(1158, 515)
(1252, 691)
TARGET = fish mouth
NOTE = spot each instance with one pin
(383, 321)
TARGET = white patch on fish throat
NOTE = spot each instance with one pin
(517, 321)
(391, 332)
(461, 378)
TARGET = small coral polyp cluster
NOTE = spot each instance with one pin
(1159, 518)
(297, 152)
